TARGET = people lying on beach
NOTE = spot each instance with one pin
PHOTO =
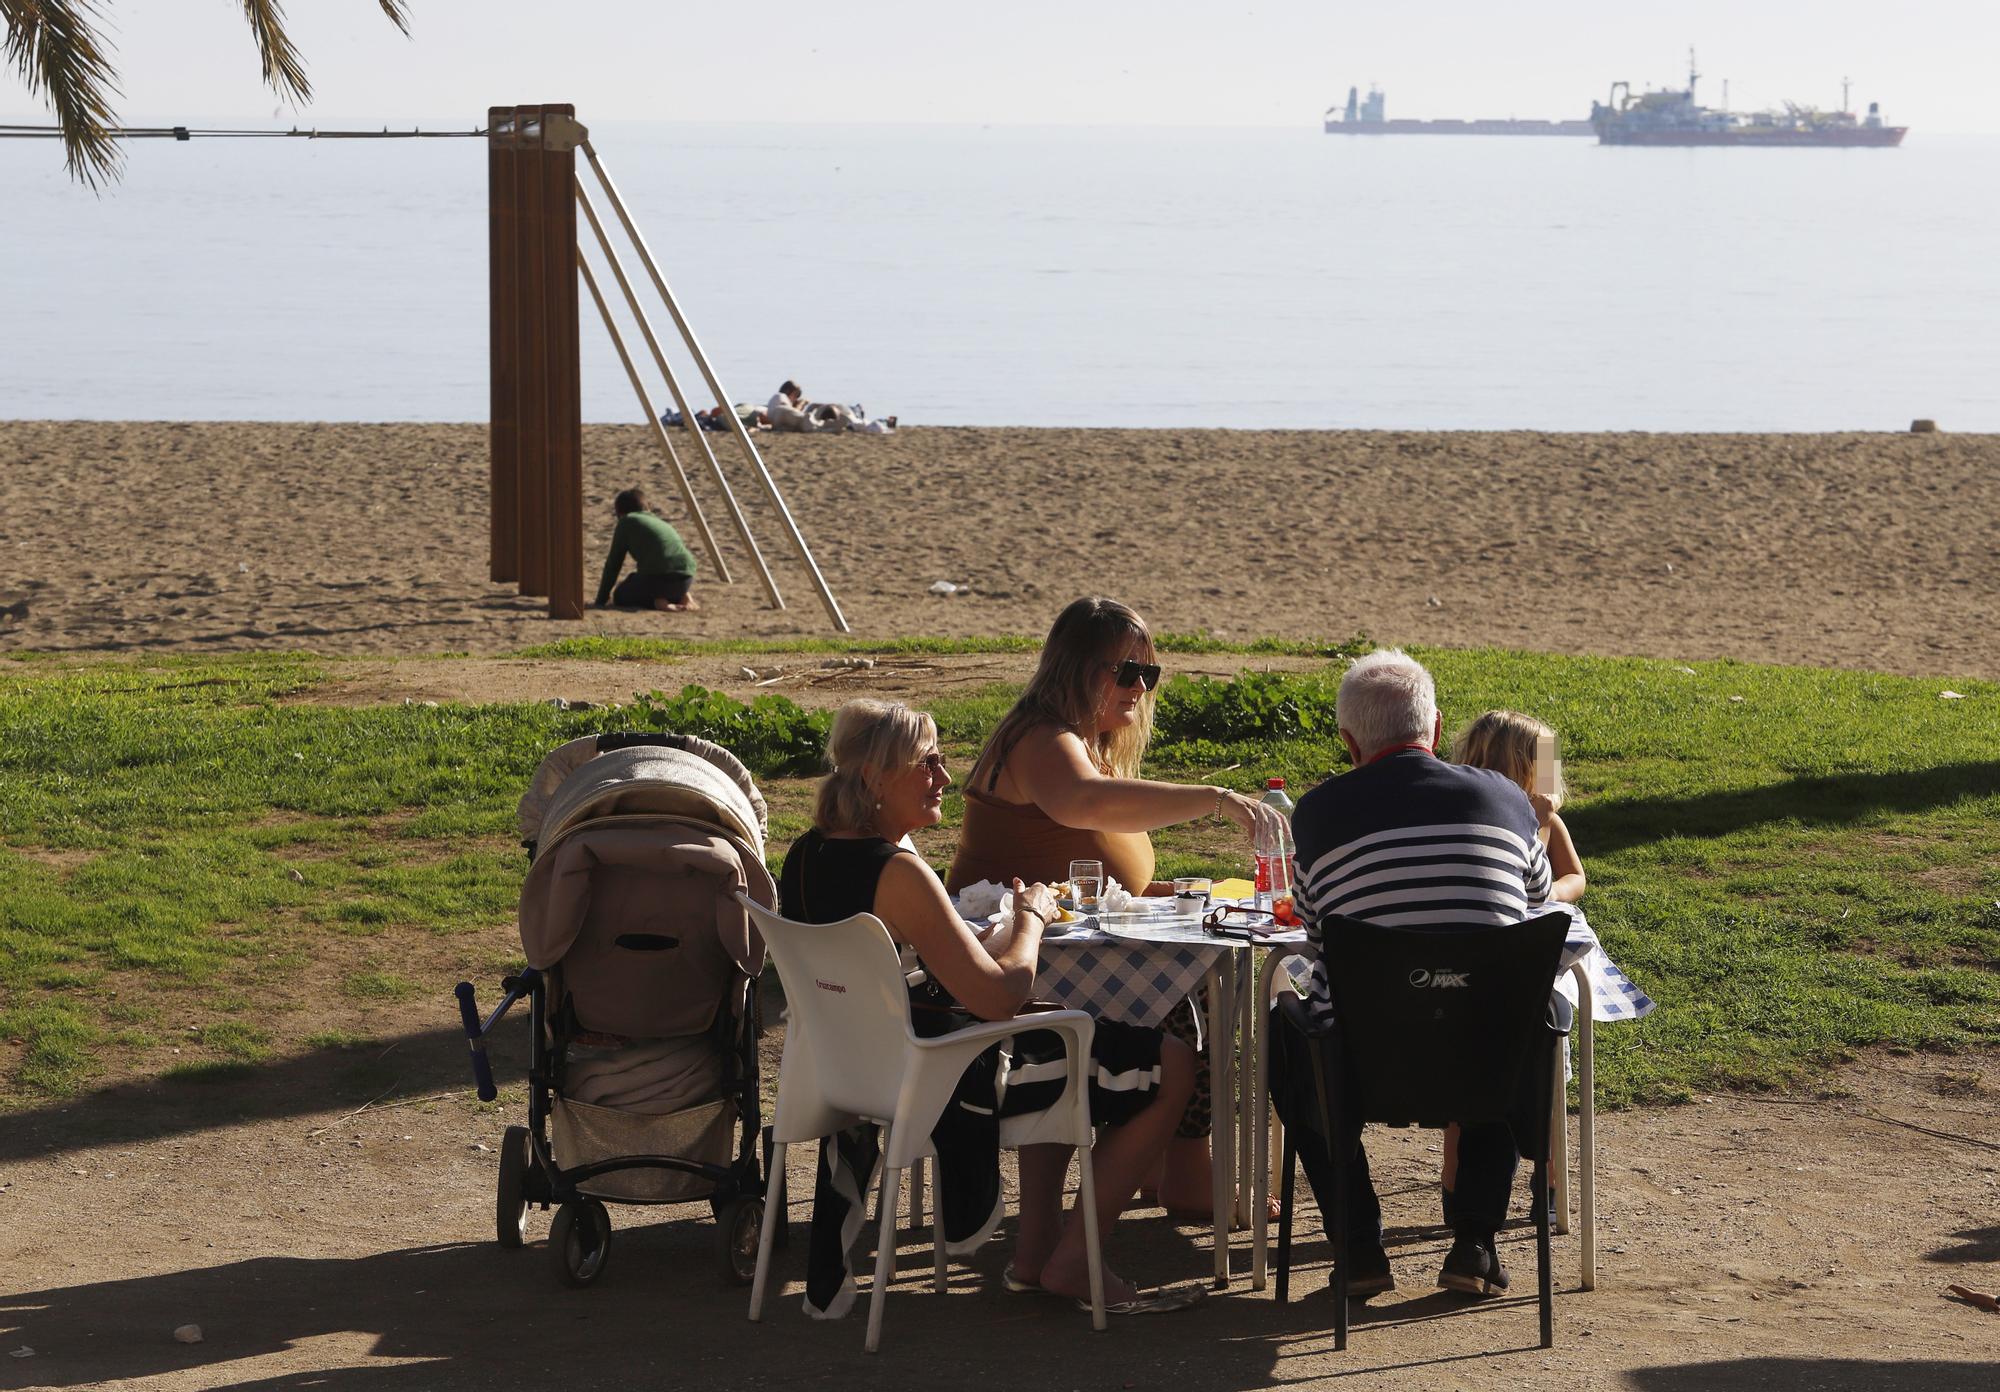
(788, 409)
(888, 780)
(1058, 781)
(715, 418)
(662, 566)
(1506, 741)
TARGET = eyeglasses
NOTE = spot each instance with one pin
(1257, 923)
(1129, 671)
(933, 762)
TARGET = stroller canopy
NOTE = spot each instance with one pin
(678, 775)
(640, 845)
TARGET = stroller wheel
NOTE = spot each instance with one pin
(510, 1209)
(579, 1239)
(737, 1225)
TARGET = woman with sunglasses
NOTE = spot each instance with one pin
(1058, 781)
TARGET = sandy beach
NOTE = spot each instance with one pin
(1870, 551)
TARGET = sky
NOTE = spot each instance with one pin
(1055, 62)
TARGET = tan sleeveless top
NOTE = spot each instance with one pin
(999, 840)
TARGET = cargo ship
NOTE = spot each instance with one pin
(1366, 116)
(1672, 117)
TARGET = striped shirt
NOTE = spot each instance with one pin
(1410, 839)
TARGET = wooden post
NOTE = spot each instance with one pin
(532, 348)
(503, 473)
(564, 422)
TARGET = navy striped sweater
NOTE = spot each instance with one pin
(1410, 839)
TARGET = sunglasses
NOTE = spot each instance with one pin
(934, 762)
(1130, 671)
(1257, 923)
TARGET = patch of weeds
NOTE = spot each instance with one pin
(374, 985)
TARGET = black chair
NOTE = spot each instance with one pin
(1433, 1024)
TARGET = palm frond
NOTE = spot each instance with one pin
(56, 47)
(284, 71)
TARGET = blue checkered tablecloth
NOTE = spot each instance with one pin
(1613, 995)
(1134, 983)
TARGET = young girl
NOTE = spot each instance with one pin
(1505, 741)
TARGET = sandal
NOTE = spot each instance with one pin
(1017, 1285)
(1154, 1302)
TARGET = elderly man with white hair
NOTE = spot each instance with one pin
(1406, 838)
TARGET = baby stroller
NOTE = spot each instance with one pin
(641, 984)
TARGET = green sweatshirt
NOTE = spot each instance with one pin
(655, 547)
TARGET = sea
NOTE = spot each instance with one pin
(959, 275)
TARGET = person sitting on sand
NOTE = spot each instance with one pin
(888, 781)
(1059, 781)
(662, 566)
(788, 409)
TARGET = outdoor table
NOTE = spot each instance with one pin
(1139, 965)
(1136, 967)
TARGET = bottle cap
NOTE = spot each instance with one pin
(1274, 783)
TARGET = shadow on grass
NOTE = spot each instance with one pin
(1763, 1373)
(1832, 801)
(204, 1096)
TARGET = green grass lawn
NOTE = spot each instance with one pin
(202, 869)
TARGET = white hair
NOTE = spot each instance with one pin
(1386, 698)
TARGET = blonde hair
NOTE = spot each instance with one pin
(1503, 740)
(1063, 691)
(869, 740)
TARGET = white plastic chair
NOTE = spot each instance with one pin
(851, 1056)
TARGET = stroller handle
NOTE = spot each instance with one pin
(475, 1036)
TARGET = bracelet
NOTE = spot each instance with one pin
(1220, 794)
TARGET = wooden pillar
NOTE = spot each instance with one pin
(537, 394)
(532, 346)
(503, 473)
(564, 424)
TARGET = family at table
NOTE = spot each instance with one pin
(1402, 837)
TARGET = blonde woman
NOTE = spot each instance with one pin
(888, 781)
(1058, 781)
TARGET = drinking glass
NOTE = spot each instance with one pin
(1192, 893)
(1088, 877)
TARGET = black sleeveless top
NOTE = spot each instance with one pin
(828, 878)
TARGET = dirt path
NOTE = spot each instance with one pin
(323, 1243)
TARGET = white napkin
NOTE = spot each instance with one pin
(977, 901)
(1117, 898)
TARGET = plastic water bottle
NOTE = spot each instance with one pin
(1275, 862)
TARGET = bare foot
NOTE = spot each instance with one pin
(1071, 1277)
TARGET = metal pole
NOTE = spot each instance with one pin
(680, 398)
(708, 375)
(652, 418)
